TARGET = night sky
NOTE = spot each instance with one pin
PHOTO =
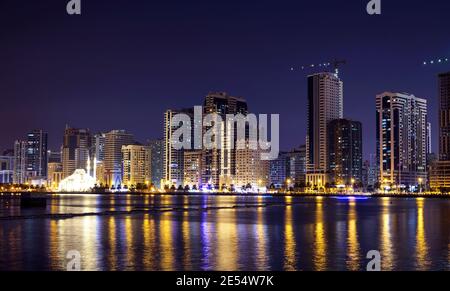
(122, 63)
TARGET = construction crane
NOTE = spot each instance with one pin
(335, 64)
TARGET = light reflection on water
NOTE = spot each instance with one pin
(271, 233)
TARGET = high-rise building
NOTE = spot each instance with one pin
(444, 116)
(345, 151)
(54, 175)
(250, 169)
(278, 169)
(192, 168)
(54, 156)
(440, 170)
(372, 172)
(7, 167)
(157, 161)
(76, 150)
(36, 155)
(173, 163)
(325, 103)
(296, 165)
(429, 139)
(20, 157)
(136, 165)
(401, 122)
(219, 163)
(114, 140)
(98, 143)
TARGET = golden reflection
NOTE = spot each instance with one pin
(421, 241)
(54, 243)
(167, 248)
(262, 257)
(89, 250)
(289, 239)
(129, 240)
(186, 242)
(112, 203)
(352, 240)
(128, 203)
(387, 258)
(227, 239)
(112, 236)
(149, 243)
(320, 247)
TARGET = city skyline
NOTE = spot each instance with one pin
(131, 85)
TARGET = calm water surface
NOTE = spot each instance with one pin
(226, 233)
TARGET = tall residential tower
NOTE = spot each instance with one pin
(401, 121)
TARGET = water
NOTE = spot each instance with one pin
(226, 233)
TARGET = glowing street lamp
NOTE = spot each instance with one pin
(420, 185)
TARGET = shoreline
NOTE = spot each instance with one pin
(16, 195)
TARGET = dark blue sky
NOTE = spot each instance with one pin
(121, 64)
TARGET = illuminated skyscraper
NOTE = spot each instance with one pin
(325, 103)
(98, 144)
(296, 165)
(444, 117)
(36, 155)
(76, 150)
(20, 156)
(136, 165)
(114, 140)
(440, 170)
(345, 150)
(173, 164)
(157, 161)
(278, 170)
(7, 167)
(250, 169)
(429, 139)
(218, 164)
(401, 121)
(192, 168)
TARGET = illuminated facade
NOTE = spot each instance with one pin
(157, 161)
(114, 140)
(36, 155)
(192, 168)
(6, 168)
(54, 175)
(440, 170)
(250, 169)
(219, 163)
(76, 150)
(136, 165)
(345, 151)
(20, 150)
(401, 139)
(444, 116)
(325, 103)
(174, 158)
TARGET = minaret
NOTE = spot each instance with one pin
(88, 166)
(95, 169)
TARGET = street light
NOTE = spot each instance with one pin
(420, 185)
